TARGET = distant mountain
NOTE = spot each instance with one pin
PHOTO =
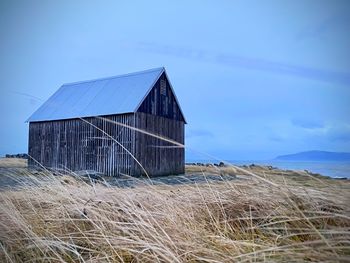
(315, 156)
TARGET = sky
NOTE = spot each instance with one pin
(255, 79)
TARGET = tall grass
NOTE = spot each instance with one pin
(265, 216)
(251, 220)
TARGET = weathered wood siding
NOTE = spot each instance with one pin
(161, 101)
(76, 145)
(160, 114)
(157, 156)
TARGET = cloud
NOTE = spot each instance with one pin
(198, 133)
(339, 133)
(276, 138)
(308, 124)
(236, 61)
(339, 21)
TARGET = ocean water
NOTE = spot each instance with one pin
(331, 168)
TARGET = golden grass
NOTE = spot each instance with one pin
(12, 162)
(248, 220)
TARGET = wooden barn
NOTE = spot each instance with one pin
(109, 125)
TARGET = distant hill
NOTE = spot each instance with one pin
(315, 156)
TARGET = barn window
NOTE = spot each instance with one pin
(163, 87)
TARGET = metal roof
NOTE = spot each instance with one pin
(113, 95)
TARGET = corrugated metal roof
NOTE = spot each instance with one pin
(113, 95)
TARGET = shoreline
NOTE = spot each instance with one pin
(335, 170)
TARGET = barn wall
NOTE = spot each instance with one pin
(161, 101)
(157, 156)
(76, 145)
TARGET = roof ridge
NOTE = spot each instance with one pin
(113, 77)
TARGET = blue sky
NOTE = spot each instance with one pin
(255, 79)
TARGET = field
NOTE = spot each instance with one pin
(265, 214)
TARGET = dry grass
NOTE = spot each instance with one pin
(12, 162)
(252, 220)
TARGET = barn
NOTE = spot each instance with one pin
(129, 124)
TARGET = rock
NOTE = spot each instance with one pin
(19, 155)
(221, 164)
